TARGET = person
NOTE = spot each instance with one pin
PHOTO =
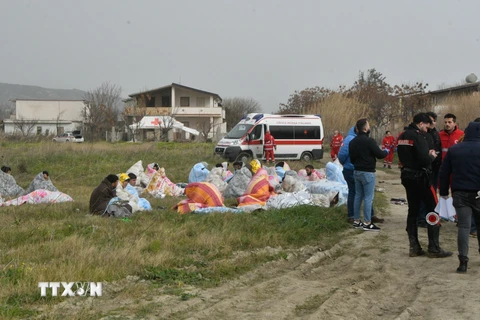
(417, 158)
(7, 170)
(268, 146)
(347, 172)
(102, 194)
(460, 170)
(396, 145)
(237, 165)
(388, 143)
(363, 152)
(451, 134)
(126, 196)
(312, 174)
(335, 144)
(436, 144)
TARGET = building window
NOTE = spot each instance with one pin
(39, 130)
(201, 102)
(150, 103)
(166, 101)
(47, 132)
(184, 101)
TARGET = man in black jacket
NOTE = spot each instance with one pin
(462, 164)
(436, 144)
(363, 152)
(417, 157)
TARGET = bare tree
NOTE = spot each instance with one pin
(166, 123)
(236, 107)
(135, 110)
(101, 109)
(24, 126)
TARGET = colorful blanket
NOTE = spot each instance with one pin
(200, 195)
(39, 196)
(160, 185)
(39, 182)
(258, 190)
(8, 186)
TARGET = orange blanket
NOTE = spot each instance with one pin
(258, 190)
(200, 195)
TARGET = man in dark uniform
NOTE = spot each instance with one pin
(417, 157)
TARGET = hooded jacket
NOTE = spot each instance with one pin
(101, 196)
(364, 152)
(462, 161)
(343, 156)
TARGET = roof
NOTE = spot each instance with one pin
(18, 99)
(461, 87)
(178, 86)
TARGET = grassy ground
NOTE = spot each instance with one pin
(62, 242)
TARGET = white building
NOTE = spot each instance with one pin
(198, 109)
(45, 117)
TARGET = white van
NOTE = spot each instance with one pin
(296, 136)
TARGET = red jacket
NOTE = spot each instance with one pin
(269, 142)
(449, 139)
(337, 141)
(388, 142)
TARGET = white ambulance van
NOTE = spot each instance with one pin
(296, 136)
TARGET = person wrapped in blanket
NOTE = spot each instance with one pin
(41, 181)
(104, 200)
(8, 186)
(125, 196)
(142, 202)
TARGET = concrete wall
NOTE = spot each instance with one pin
(49, 110)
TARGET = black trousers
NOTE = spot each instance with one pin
(418, 190)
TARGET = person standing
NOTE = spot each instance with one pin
(335, 144)
(460, 170)
(363, 152)
(268, 146)
(451, 134)
(348, 169)
(388, 143)
(417, 158)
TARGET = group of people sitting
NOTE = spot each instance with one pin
(118, 195)
(40, 190)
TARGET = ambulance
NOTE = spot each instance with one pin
(296, 136)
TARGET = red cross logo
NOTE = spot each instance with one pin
(156, 122)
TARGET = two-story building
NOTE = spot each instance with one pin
(38, 116)
(198, 109)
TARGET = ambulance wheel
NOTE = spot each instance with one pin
(244, 157)
(307, 156)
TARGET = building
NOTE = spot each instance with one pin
(197, 109)
(439, 96)
(37, 116)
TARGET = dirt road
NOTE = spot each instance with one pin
(366, 276)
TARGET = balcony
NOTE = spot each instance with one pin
(177, 111)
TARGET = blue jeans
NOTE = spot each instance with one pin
(467, 208)
(364, 191)
(348, 175)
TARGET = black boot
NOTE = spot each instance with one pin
(415, 248)
(462, 268)
(434, 250)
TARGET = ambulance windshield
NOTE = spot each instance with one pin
(239, 131)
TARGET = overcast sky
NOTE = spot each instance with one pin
(264, 49)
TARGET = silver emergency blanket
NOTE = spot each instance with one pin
(9, 187)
